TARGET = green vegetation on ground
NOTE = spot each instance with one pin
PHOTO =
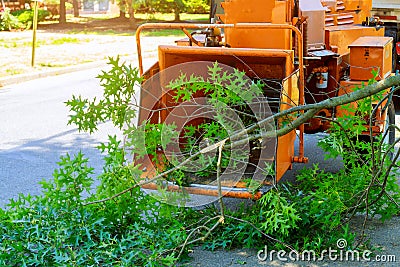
(71, 224)
(170, 17)
(19, 19)
(51, 41)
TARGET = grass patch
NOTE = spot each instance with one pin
(14, 71)
(39, 42)
(65, 40)
(15, 43)
(10, 43)
(101, 32)
(91, 17)
(162, 32)
(50, 65)
(2, 40)
(170, 17)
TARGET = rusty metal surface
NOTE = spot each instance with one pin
(296, 31)
(202, 52)
(209, 190)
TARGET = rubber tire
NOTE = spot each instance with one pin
(390, 137)
(390, 119)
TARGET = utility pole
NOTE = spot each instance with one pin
(34, 26)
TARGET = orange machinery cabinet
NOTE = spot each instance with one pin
(369, 53)
(338, 38)
(347, 87)
(257, 11)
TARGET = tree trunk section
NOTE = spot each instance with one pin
(75, 4)
(63, 17)
(122, 8)
(177, 14)
(131, 14)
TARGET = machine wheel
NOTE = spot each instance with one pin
(389, 138)
(390, 119)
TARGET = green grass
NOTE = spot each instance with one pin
(3, 40)
(29, 43)
(10, 43)
(142, 18)
(170, 17)
(65, 40)
(162, 32)
(14, 71)
(101, 32)
(91, 17)
(50, 65)
(18, 42)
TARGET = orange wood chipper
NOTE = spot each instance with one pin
(314, 49)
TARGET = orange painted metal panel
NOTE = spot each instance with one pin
(347, 87)
(209, 191)
(285, 146)
(370, 53)
(362, 9)
(271, 38)
(279, 62)
(248, 11)
(264, 63)
(342, 36)
(284, 154)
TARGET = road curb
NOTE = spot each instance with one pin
(9, 80)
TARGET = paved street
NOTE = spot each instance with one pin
(34, 131)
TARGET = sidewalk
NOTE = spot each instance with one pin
(59, 53)
(13, 79)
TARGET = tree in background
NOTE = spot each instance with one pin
(128, 7)
(131, 12)
(197, 6)
(63, 16)
(122, 5)
(75, 4)
(176, 6)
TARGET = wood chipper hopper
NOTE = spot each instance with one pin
(264, 51)
(287, 46)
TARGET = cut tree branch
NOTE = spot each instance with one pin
(311, 111)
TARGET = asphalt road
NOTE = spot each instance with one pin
(34, 131)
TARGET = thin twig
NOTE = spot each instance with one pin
(312, 109)
(220, 200)
(261, 232)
